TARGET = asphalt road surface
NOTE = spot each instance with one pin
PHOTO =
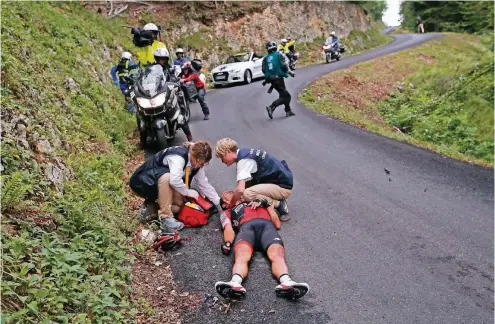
(411, 246)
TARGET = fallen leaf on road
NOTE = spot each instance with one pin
(271, 311)
(386, 171)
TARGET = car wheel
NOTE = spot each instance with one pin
(217, 85)
(248, 77)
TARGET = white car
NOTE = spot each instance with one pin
(242, 67)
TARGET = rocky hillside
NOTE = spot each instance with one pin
(210, 30)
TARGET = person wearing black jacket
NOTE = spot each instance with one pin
(275, 68)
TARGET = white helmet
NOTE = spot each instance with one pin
(283, 40)
(179, 50)
(151, 26)
(126, 56)
(332, 33)
(161, 53)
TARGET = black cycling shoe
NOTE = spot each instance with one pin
(230, 290)
(292, 290)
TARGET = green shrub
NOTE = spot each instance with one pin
(450, 105)
(77, 269)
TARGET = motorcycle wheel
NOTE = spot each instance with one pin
(161, 139)
(142, 134)
(327, 59)
(188, 113)
(337, 58)
(188, 109)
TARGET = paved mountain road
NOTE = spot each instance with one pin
(412, 246)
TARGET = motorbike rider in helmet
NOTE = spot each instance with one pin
(145, 54)
(275, 68)
(286, 46)
(124, 68)
(181, 58)
(333, 40)
(162, 58)
(189, 74)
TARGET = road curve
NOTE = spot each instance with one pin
(412, 246)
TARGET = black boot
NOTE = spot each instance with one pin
(269, 110)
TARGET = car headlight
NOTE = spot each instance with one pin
(152, 103)
(235, 71)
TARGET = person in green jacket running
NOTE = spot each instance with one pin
(275, 68)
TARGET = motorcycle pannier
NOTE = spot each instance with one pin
(191, 89)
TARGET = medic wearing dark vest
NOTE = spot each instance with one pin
(168, 177)
(259, 175)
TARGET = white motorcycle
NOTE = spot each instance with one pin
(333, 52)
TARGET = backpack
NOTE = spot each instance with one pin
(195, 213)
(143, 38)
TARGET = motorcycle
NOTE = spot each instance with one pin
(157, 105)
(291, 59)
(333, 52)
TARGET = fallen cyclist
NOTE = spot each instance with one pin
(256, 225)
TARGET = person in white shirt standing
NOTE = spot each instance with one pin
(168, 176)
(259, 175)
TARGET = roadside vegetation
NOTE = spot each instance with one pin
(65, 137)
(475, 17)
(438, 95)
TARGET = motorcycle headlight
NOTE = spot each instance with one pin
(152, 103)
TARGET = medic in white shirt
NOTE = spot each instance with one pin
(259, 175)
(169, 176)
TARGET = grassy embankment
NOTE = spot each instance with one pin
(438, 95)
(64, 251)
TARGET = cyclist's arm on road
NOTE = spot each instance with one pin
(274, 216)
(228, 231)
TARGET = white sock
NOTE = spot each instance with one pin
(237, 278)
(284, 278)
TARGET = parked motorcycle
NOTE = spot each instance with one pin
(157, 103)
(333, 52)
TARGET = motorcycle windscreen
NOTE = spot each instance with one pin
(152, 81)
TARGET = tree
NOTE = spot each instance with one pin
(374, 8)
(453, 16)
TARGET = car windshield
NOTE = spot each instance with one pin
(152, 81)
(244, 57)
